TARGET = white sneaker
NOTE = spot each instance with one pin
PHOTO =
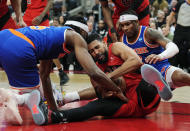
(38, 109)
(9, 107)
(58, 96)
(154, 77)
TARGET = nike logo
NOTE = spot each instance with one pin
(160, 85)
(35, 109)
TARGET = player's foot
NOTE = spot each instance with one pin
(38, 108)
(63, 78)
(58, 117)
(9, 107)
(152, 76)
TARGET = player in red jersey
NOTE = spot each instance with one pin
(6, 20)
(119, 60)
(140, 6)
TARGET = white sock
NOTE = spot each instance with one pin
(21, 99)
(71, 96)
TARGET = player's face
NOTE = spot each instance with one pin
(128, 27)
(98, 51)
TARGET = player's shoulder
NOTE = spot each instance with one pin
(150, 32)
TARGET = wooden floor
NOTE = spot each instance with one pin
(173, 115)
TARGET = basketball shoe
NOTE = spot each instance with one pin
(37, 107)
(10, 108)
(154, 77)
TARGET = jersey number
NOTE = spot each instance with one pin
(38, 27)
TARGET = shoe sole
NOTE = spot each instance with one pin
(152, 76)
(33, 104)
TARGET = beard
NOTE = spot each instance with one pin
(105, 59)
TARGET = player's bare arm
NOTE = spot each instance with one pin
(131, 60)
(108, 19)
(154, 37)
(37, 20)
(45, 69)
(16, 4)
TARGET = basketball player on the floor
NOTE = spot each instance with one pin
(153, 48)
(122, 63)
(20, 50)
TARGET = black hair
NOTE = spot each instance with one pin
(131, 12)
(76, 18)
(56, 19)
(92, 37)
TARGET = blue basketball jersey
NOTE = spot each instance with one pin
(20, 49)
(48, 41)
(144, 49)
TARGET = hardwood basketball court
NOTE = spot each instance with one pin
(173, 115)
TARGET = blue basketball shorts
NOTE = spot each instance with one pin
(18, 59)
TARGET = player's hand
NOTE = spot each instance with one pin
(107, 94)
(20, 22)
(152, 59)
(121, 96)
(37, 20)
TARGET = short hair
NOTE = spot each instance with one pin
(131, 12)
(56, 19)
(93, 37)
(163, 26)
(76, 18)
(160, 12)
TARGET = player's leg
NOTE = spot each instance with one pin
(62, 75)
(143, 101)
(99, 107)
(21, 69)
(92, 92)
(85, 94)
(148, 97)
(11, 113)
(178, 77)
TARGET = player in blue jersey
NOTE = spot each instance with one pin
(153, 48)
(20, 49)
